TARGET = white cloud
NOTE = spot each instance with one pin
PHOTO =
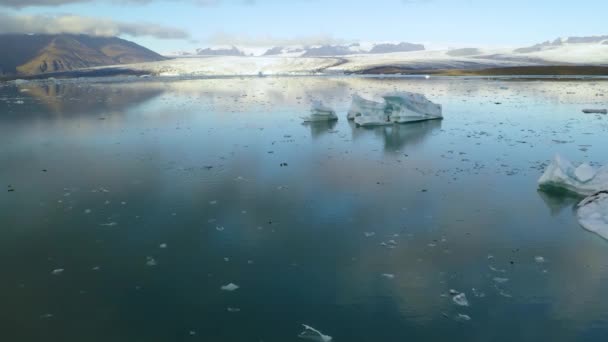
(54, 3)
(55, 24)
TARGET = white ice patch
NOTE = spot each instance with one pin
(230, 287)
(593, 213)
(310, 333)
(461, 299)
(319, 112)
(582, 180)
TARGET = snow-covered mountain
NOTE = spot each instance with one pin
(308, 51)
(220, 51)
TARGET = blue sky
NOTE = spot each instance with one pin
(438, 23)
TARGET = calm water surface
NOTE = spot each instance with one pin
(150, 196)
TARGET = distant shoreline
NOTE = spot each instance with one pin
(544, 72)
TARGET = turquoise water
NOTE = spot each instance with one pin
(128, 205)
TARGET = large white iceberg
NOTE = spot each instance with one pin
(399, 107)
(411, 107)
(319, 112)
(593, 213)
(562, 175)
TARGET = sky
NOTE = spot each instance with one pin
(172, 25)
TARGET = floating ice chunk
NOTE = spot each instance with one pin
(57, 271)
(595, 111)
(539, 259)
(582, 180)
(462, 317)
(359, 106)
(319, 112)
(461, 299)
(313, 334)
(230, 287)
(411, 107)
(150, 261)
(369, 234)
(593, 213)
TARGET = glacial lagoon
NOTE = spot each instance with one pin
(130, 207)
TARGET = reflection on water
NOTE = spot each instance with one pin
(319, 128)
(397, 136)
(360, 233)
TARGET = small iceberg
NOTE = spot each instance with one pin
(398, 107)
(319, 112)
(562, 175)
(313, 334)
(411, 107)
(592, 213)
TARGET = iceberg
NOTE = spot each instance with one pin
(411, 107)
(592, 213)
(398, 107)
(562, 175)
(319, 112)
(361, 105)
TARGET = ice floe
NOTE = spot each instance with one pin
(562, 175)
(310, 333)
(593, 213)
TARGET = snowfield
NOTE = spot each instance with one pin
(565, 54)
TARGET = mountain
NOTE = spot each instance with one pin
(548, 45)
(231, 51)
(281, 50)
(343, 50)
(25, 54)
(401, 47)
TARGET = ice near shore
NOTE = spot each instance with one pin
(562, 175)
(398, 107)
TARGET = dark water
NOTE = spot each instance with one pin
(99, 177)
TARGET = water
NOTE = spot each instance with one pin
(361, 235)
